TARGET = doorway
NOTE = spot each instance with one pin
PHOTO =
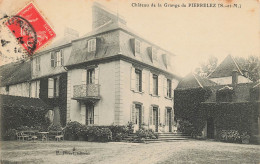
(155, 118)
(138, 115)
(89, 114)
(169, 119)
(210, 128)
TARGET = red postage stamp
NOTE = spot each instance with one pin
(30, 29)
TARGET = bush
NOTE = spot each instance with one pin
(119, 132)
(83, 133)
(53, 127)
(72, 130)
(143, 134)
(104, 135)
(10, 134)
(230, 136)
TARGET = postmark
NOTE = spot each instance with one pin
(30, 29)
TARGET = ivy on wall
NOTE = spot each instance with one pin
(189, 106)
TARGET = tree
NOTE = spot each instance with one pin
(207, 67)
(250, 64)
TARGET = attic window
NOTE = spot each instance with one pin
(152, 53)
(92, 45)
(137, 46)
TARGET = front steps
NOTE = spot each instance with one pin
(165, 137)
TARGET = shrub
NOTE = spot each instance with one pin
(71, 130)
(118, 132)
(53, 127)
(143, 134)
(230, 136)
(83, 132)
(10, 134)
(104, 135)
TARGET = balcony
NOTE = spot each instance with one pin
(86, 93)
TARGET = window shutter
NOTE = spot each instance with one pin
(151, 115)
(50, 87)
(172, 117)
(52, 60)
(151, 83)
(84, 77)
(173, 87)
(165, 116)
(57, 87)
(165, 86)
(38, 89)
(94, 45)
(96, 75)
(132, 78)
(142, 114)
(132, 44)
(143, 81)
(160, 88)
(61, 57)
(159, 116)
(133, 113)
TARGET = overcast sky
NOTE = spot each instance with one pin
(192, 34)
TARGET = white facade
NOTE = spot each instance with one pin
(228, 80)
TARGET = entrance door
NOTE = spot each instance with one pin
(210, 128)
(169, 119)
(138, 115)
(155, 118)
(89, 114)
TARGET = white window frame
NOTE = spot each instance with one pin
(92, 45)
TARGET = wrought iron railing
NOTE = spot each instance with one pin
(89, 90)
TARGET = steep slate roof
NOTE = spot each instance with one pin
(22, 101)
(226, 68)
(194, 81)
(80, 55)
(14, 73)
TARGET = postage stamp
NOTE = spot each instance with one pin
(30, 29)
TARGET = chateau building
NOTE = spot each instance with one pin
(108, 76)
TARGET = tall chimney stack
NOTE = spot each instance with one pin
(234, 77)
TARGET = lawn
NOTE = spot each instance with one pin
(166, 152)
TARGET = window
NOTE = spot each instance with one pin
(57, 58)
(155, 84)
(90, 76)
(137, 46)
(169, 88)
(37, 65)
(53, 87)
(92, 45)
(138, 114)
(7, 89)
(138, 80)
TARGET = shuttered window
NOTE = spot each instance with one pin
(92, 45)
(57, 58)
(155, 84)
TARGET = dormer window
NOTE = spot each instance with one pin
(152, 53)
(92, 45)
(57, 58)
(137, 46)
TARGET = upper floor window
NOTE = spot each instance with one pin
(169, 88)
(155, 84)
(37, 63)
(57, 58)
(90, 76)
(138, 80)
(92, 45)
(53, 87)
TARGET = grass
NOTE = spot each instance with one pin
(165, 152)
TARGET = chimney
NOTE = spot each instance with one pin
(102, 16)
(71, 32)
(234, 77)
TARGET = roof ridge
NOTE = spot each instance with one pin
(197, 80)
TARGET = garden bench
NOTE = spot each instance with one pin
(55, 135)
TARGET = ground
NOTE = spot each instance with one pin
(191, 151)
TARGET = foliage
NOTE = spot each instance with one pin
(230, 136)
(10, 134)
(143, 134)
(207, 67)
(130, 127)
(53, 127)
(13, 117)
(104, 135)
(250, 64)
(72, 129)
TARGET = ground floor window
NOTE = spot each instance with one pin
(89, 114)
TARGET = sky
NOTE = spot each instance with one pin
(191, 33)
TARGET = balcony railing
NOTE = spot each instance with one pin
(86, 91)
